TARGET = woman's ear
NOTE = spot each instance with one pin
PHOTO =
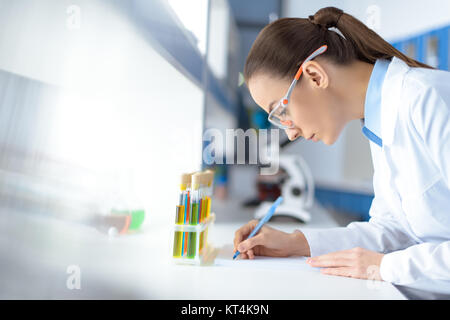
(314, 72)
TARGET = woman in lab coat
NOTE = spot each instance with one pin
(404, 108)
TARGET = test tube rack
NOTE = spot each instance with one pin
(197, 241)
(193, 218)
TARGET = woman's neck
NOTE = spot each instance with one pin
(353, 83)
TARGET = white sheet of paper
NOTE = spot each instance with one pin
(225, 258)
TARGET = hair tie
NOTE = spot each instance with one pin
(332, 24)
(337, 20)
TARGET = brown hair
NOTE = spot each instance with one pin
(282, 45)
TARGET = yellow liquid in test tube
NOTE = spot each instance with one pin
(208, 206)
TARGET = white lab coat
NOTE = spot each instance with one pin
(410, 214)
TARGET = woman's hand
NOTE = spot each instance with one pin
(269, 242)
(354, 263)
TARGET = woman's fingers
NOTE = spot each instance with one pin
(334, 262)
(327, 262)
(243, 255)
(250, 254)
(243, 232)
(339, 263)
(250, 243)
(334, 259)
(342, 271)
(355, 263)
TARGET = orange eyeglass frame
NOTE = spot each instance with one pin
(275, 116)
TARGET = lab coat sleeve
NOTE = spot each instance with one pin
(425, 261)
(382, 233)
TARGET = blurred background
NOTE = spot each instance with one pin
(103, 104)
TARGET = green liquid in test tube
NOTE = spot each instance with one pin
(192, 245)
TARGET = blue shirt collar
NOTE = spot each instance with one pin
(372, 106)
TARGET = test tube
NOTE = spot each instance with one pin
(202, 196)
(187, 210)
(177, 244)
(194, 214)
(200, 246)
(178, 235)
(179, 215)
(180, 238)
(195, 199)
(209, 191)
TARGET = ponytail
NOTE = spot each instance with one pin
(368, 45)
(282, 46)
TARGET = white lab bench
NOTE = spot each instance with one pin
(37, 252)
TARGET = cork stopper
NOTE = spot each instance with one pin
(205, 178)
(209, 177)
(196, 180)
(185, 180)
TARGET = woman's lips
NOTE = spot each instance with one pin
(313, 138)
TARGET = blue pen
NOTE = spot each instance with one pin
(266, 218)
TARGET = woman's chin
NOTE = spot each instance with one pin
(329, 141)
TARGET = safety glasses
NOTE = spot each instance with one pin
(278, 116)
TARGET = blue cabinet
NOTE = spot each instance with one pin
(431, 47)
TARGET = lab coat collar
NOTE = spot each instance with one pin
(383, 98)
(372, 106)
(391, 98)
